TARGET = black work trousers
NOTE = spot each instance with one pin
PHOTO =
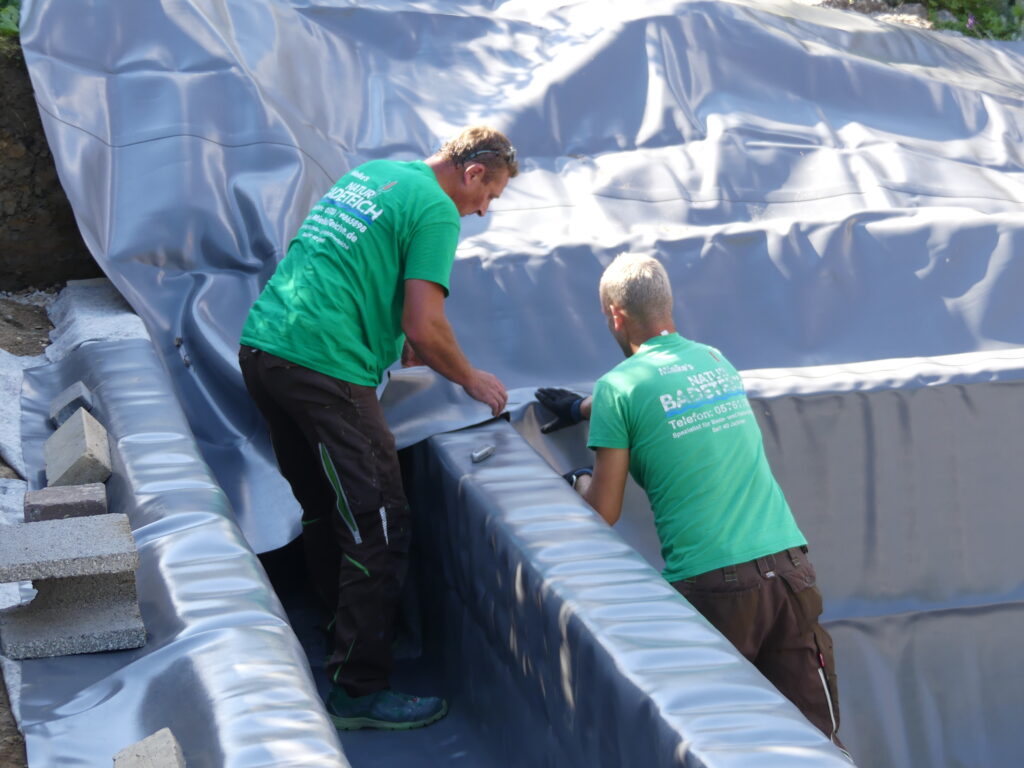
(768, 608)
(335, 450)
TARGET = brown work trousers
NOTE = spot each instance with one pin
(769, 608)
(337, 453)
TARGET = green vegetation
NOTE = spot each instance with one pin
(995, 19)
(9, 17)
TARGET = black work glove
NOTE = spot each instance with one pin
(564, 403)
(572, 477)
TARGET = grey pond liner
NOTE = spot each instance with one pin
(824, 190)
(221, 666)
(562, 643)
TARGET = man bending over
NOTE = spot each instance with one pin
(675, 415)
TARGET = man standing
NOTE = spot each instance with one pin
(367, 270)
(675, 415)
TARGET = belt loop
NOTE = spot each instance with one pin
(794, 558)
(729, 574)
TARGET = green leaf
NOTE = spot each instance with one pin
(9, 20)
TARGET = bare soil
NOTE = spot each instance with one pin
(24, 326)
(12, 745)
(40, 244)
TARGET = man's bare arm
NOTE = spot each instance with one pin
(431, 337)
(605, 489)
(585, 407)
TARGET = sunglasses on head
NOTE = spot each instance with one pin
(509, 155)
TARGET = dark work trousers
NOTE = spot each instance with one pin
(334, 448)
(769, 608)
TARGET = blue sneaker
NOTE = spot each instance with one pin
(385, 709)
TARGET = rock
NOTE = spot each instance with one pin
(86, 614)
(78, 452)
(67, 402)
(60, 549)
(161, 750)
(65, 501)
(914, 9)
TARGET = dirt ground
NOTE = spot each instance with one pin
(24, 326)
(12, 746)
(39, 240)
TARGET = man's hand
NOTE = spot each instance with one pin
(409, 358)
(563, 403)
(488, 389)
(579, 479)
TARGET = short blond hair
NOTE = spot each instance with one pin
(637, 284)
(484, 145)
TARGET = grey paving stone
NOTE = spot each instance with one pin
(84, 614)
(77, 453)
(64, 501)
(77, 546)
(70, 400)
(161, 750)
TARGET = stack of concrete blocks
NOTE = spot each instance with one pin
(80, 559)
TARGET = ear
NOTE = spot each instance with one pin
(618, 316)
(474, 171)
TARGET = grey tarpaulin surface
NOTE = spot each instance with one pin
(910, 494)
(599, 661)
(221, 667)
(822, 188)
(905, 476)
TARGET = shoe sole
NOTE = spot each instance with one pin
(358, 723)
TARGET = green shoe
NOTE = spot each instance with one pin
(383, 709)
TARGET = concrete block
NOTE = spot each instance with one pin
(70, 400)
(78, 546)
(84, 614)
(161, 750)
(65, 501)
(77, 453)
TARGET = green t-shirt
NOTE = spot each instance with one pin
(695, 448)
(335, 302)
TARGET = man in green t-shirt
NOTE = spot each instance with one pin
(675, 415)
(365, 280)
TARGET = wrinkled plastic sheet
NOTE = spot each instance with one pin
(605, 663)
(910, 497)
(221, 666)
(823, 189)
(905, 477)
(563, 644)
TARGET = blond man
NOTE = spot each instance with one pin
(365, 276)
